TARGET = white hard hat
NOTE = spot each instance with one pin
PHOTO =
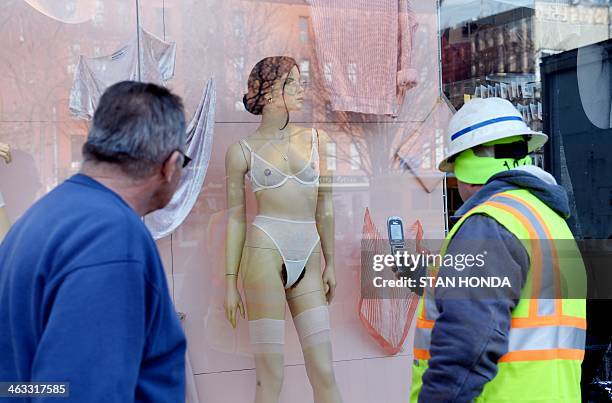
(483, 120)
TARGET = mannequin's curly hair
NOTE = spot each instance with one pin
(263, 76)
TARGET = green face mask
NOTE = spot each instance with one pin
(476, 170)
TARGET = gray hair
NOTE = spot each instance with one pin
(136, 126)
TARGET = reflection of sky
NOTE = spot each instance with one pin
(455, 12)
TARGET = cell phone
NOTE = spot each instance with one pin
(395, 229)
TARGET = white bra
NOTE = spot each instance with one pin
(264, 175)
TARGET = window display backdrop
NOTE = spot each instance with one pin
(224, 39)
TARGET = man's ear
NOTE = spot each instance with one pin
(170, 167)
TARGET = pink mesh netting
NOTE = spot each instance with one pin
(388, 315)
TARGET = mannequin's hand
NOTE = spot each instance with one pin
(5, 152)
(233, 301)
(329, 282)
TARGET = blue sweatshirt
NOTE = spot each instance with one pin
(470, 335)
(84, 300)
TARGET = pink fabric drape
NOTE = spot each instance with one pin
(364, 52)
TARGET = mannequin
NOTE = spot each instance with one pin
(294, 226)
(5, 153)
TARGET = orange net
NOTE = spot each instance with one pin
(387, 312)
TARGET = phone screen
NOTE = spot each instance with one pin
(396, 232)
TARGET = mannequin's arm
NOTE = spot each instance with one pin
(235, 168)
(5, 152)
(325, 222)
(5, 224)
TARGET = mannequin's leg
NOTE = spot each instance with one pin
(265, 304)
(309, 310)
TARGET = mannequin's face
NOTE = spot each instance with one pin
(293, 91)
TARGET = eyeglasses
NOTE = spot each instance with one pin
(186, 159)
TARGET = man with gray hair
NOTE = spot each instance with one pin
(83, 294)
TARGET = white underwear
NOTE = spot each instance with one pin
(295, 241)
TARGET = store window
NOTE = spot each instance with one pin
(327, 71)
(380, 80)
(75, 50)
(238, 24)
(305, 71)
(99, 15)
(496, 48)
(238, 66)
(355, 157)
(426, 152)
(76, 145)
(70, 7)
(330, 149)
(303, 27)
(351, 69)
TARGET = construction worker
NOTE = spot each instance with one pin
(525, 343)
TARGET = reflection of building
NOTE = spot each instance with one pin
(504, 45)
(495, 45)
(491, 49)
(494, 56)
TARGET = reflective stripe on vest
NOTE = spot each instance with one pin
(535, 338)
(546, 333)
(546, 277)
